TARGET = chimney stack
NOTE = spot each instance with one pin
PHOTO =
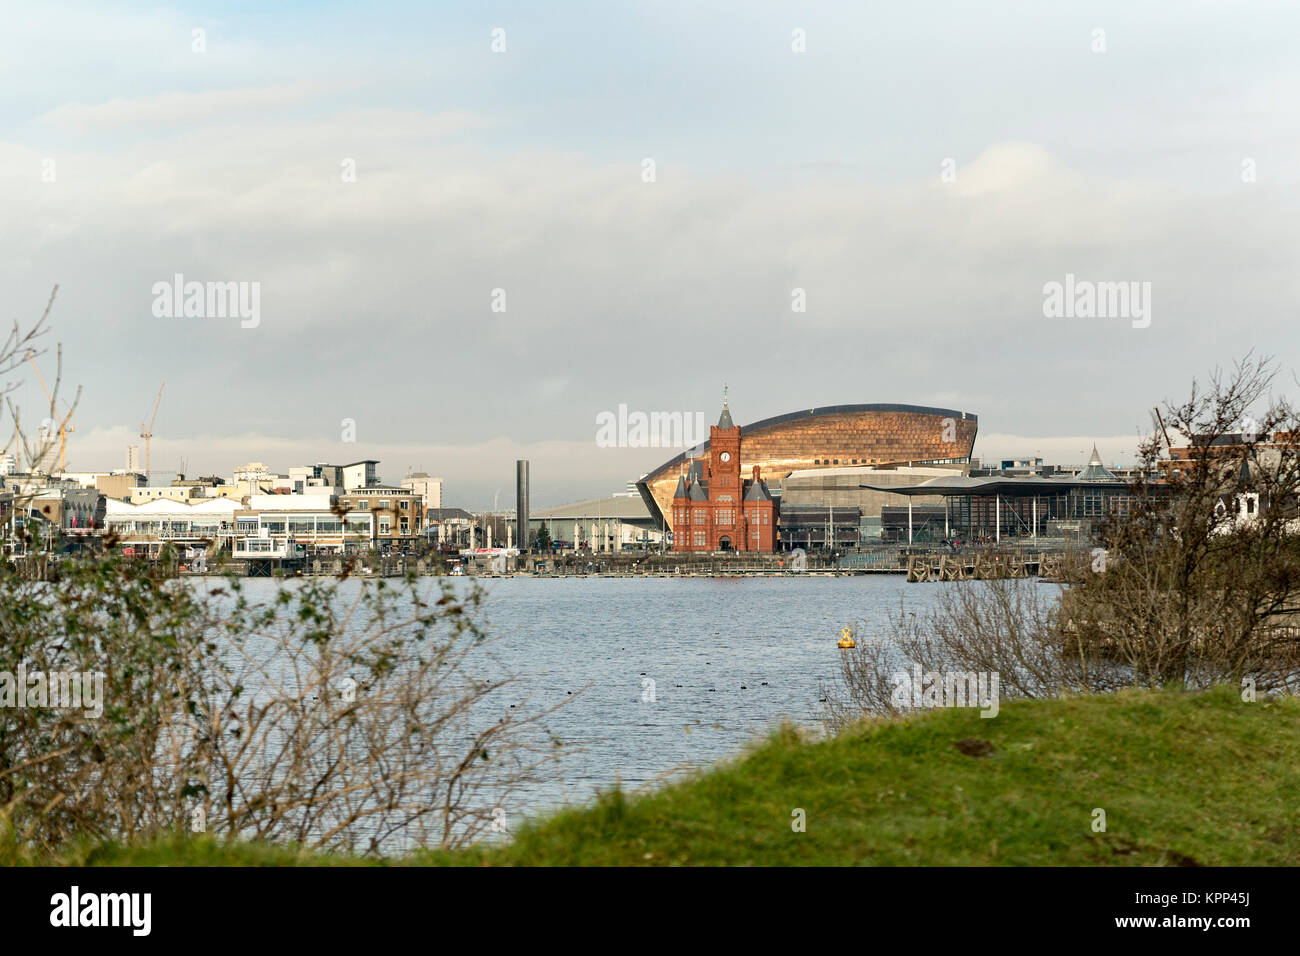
(521, 503)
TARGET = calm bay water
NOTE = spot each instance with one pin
(730, 659)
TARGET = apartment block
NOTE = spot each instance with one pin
(398, 513)
(428, 488)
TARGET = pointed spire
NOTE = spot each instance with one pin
(724, 420)
(1096, 471)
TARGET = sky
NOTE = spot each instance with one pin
(473, 228)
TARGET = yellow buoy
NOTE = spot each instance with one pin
(846, 639)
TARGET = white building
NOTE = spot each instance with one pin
(254, 471)
(144, 528)
(269, 526)
(358, 475)
(86, 479)
(429, 489)
(306, 519)
(166, 493)
(304, 478)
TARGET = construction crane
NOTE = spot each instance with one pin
(146, 431)
(16, 440)
(65, 426)
(1161, 420)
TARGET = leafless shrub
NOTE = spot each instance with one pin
(356, 716)
(1202, 581)
(349, 724)
(340, 714)
(1006, 627)
(1200, 584)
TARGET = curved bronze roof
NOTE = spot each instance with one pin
(701, 449)
(873, 432)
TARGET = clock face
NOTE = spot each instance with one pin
(725, 456)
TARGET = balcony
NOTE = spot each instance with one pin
(267, 549)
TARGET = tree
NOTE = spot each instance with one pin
(543, 539)
(329, 713)
(1198, 582)
(351, 719)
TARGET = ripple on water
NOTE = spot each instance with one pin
(730, 659)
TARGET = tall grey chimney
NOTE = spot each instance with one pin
(521, 504)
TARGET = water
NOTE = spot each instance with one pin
(730, 659)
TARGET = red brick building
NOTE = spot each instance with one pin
(714, 507)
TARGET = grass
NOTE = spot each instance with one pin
(1183, 779)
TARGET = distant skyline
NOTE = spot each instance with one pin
(918, 174)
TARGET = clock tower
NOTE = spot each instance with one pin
(714, 508)
(724, 451)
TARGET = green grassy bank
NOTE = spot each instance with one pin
(1183, 779)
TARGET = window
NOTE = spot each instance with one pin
(699, 539)
(363, 503)
(384, 527)
(405, 504)
(699, 516)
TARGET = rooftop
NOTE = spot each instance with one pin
(1012, 485)
(623, 507)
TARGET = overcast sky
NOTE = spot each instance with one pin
(128, 156)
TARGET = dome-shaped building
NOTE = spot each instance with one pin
(831, 437)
